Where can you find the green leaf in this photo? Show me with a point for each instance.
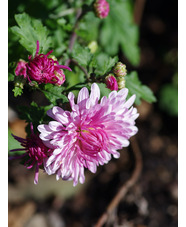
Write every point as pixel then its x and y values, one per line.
pixel 118 29
pixel 30 30
pixel 17 91
pixel 10 77
pixel 168 99
pixel 136 87
pixel 13 144
pixel 54 93
pixel 81 54
pixel 105 63
pixel 84 30
pixel 34 113
pixel 104 91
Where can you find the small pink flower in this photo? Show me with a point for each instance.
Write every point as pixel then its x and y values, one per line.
pixel 44 69
pixel 21 69
pixel 35 152
pixel 101 8
pixel 90 134
pixel 111 82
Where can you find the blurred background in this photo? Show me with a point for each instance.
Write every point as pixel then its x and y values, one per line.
pixel 152 201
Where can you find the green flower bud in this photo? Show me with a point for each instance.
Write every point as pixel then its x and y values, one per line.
pixel 93 46
pixel 53 57
pixel 121 82
pixel 120 69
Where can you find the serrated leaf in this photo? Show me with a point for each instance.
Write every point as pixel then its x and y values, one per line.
pixel 54 93
pixel 81 54
pixel 119 30
pixel 105 63
pixel 17 91
pixel 30 30
pixel 136 87
pixel 34 113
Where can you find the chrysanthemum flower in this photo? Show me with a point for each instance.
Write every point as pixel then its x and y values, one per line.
pixel 101 8
pixel 111 82
pixel 35 154
pixel 88 135
pixel 43 69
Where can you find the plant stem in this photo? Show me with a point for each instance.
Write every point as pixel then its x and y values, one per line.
pixel 125 187
pixel 81 67
pixel 74 35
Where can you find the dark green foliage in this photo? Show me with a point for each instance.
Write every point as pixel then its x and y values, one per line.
pixel 30 30
pixel 136 87
pixel 54 93
pixel 118 30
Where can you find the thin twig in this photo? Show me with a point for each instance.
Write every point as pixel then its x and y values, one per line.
pixel 138 10
pixel 74 35
pixel 125 187
pixel 81 67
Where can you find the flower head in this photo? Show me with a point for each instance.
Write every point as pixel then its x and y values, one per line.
pixel 42 69
pixel 101 8
pixel 88 135
pixel 111 82
pixel 35 152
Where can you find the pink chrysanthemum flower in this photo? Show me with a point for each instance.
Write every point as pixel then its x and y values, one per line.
pixel 36 152
pixel 88 135
pixel 101 8
pixel 111 82
pixel 43 69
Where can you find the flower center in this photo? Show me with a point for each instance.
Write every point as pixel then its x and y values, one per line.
pixel 92 139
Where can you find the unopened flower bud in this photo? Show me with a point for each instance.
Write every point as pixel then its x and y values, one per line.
pixel 59 77
pixel 101 8
pixel 111 82
pixel 19 82
pixel 120 69
pixel 21 69
pixel 93 46
pixel 53 57
pixel 121 82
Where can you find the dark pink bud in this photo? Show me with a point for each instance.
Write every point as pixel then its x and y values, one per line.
pixel 21 69
pixel 111 82
pixel 101 8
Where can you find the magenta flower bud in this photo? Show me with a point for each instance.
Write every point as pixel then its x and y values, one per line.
pixel 111 82
pixel 120 69
pixel 101 8
pixel 21 68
